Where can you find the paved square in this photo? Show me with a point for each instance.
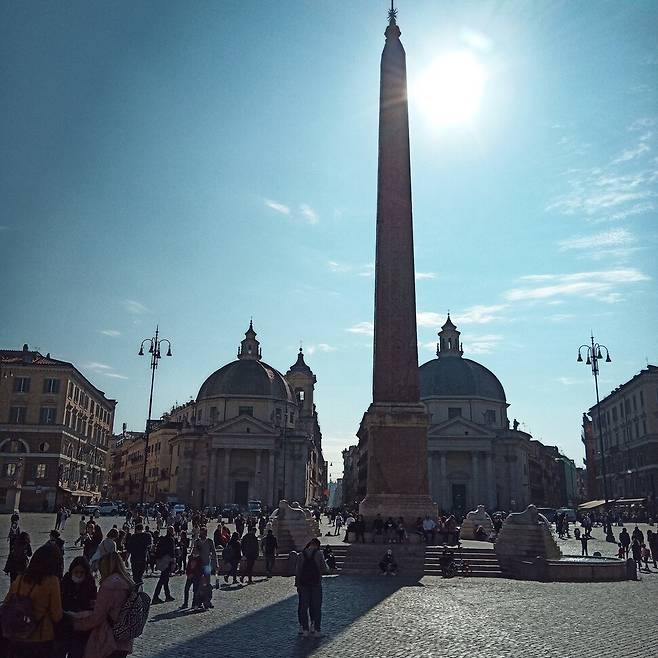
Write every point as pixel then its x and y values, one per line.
pixel 392 617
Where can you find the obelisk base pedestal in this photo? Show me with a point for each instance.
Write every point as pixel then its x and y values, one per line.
pixel 396 439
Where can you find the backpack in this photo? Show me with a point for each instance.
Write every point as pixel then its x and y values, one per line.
pixel 310 574
pixel 17 616
pixel 132 616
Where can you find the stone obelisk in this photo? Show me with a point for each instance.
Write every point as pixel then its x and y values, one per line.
pixel 394 429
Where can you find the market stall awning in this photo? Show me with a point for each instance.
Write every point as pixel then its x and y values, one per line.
pixel 592 504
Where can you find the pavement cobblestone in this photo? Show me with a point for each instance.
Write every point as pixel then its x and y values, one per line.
pixel 386 616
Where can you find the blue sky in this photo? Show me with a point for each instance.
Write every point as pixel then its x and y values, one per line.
pixel 195 164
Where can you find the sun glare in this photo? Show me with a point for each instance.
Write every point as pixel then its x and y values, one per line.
pixel 450 90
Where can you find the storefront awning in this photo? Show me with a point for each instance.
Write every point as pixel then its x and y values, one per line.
pixel 592 504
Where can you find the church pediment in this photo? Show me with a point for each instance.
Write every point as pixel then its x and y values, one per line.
pixel 243 425
pixel 460 427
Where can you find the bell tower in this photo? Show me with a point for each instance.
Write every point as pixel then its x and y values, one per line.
pixel 250 347
pixel 449 344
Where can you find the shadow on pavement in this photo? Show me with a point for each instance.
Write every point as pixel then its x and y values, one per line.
pixel 272 631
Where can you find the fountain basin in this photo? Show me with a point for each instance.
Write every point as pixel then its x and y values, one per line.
pixel 574 569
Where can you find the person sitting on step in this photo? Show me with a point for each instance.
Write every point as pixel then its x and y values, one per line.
pixel 388 566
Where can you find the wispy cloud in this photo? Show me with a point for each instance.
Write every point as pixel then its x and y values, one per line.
pixel 483 344
pixel 568 381
pixel 277 207
pixel 634 151
pixel 96 366
pixel 478 314
pixel 365 328
pixel 617 237
pixel 103 369
pixel 337 267
pixel 134 307
pixel 309 214
pixel 422 276
pixel 110 332
pixel 624 186
pixel 602 285
pixel 320 347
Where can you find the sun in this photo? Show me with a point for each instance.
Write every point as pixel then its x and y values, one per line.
pixel 450 90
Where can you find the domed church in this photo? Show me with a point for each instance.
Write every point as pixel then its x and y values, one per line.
pixel 251 434
pixel 474 456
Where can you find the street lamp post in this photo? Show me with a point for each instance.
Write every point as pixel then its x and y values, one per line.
pixel 594 355
pixel 154 351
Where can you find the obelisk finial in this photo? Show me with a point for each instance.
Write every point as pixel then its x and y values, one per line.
pixel 392 14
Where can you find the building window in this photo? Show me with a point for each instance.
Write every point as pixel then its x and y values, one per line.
pixel 48 415
pixel 490 417
pixel 454 412
pixel 644 426
pixel 22 385
pixel 614 414
pixel 213 413
pixel 292 416
pixel 641 398
pixel 17 415
pixel 627 407
pixel 40 471
pixel 245 411
pixel 300 395
pixel 634 403
pixel 10 470
pixel 51 385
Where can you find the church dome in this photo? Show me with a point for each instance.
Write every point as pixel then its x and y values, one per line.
pixel 452 375
pixel 246 378
pixel 459 377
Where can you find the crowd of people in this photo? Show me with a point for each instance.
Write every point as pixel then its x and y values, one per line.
pixel 443 529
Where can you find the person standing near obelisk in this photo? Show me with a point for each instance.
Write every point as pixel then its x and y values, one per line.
pixel 394 428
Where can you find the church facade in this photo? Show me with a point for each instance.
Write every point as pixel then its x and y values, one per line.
pixel 474 456
pixel 251 434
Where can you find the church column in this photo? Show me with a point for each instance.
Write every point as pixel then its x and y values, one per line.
pixel 444 503
pixel 258 479
pixel 491 482
pixel 270 497
pixel 228 498
pixel 211 479
pixel 475 488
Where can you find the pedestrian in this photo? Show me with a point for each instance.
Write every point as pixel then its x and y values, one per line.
pixel 183 549
pixel 58 543
pixel 19 556
pixel 377 528
pixel 164 553
pixel 14 529
pixel 360 529
pixel 329 557
pixel 349 527
pixel 82 531
pixel 388 565
pixel 625 540
pixel 583 542
pixel 652 541
pixel 250 551
pixel 137 548
pixel 192 575
pixel 58 517
pixel 308 581
pixel 402 533
pixel 636 552
pixel 115 587
pixel 78 594
pixel 645 552
pixel 39 583
pixel 389 529
pixel 232 554
pixel 339 523
pixel 208 559
pixel 270 549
